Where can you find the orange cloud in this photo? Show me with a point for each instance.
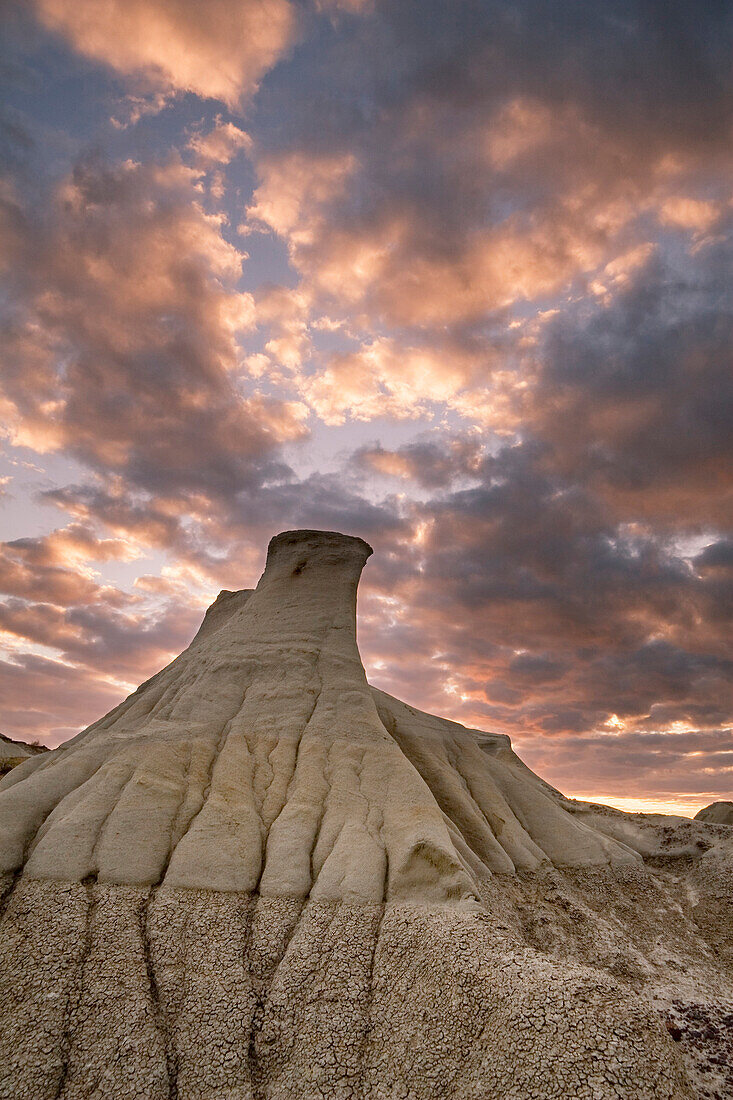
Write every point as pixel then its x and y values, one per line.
pixel 388 268
pixel 390 463
pixel 616 273
pixel 521 126
pixel 438 218
pixel 294 189
pixel 55 568
pixel 389 377
pixel 500 266
pixel 688 213
pixel 385 378
pixel 73 546
pixel 220 49
pixel 221 144
pixel 287 313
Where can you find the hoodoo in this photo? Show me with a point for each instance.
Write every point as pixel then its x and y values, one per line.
pixel 259 878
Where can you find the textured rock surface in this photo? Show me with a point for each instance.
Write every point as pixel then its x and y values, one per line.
pixel 259 877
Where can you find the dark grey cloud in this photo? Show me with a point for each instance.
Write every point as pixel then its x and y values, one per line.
pixel 717 555
pixel 543 616
pixel 637 396
pixel 685 766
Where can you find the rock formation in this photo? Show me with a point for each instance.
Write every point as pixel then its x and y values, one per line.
pixel 260 878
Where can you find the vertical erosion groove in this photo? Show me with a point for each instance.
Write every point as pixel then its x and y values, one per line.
pixel 216 749
pixel 175 821
pixel 7 885
pixel 159 1015
pixel 76 995
pixel 306 724
pixel 369 1006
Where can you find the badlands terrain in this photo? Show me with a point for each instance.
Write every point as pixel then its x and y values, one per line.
pixel 258 877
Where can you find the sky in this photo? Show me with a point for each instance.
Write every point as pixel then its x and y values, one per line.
pixel 453 277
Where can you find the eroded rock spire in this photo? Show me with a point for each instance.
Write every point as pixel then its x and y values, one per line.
pixel 259 877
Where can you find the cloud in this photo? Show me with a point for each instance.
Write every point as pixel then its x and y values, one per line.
pixel 539 614
pixel 689 213
pixel 55 567
pixel 405 379
pixel 478 183
pixel 48 699
pixel 219 50
pixel 71 546
pixel 383 379
pixel 122 334
pixel 427 201
pixel 715 556
pixel 293 189
pixel 646 384
pixel 434 463
pixel 690 769
pixel 220 144
pixel 101 654
pixel 103 630
pixel 132 517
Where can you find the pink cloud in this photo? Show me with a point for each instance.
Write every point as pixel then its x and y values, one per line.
pixel 384 377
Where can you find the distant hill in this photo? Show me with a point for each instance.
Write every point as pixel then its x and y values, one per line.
pixel 720 813
pixel 15 752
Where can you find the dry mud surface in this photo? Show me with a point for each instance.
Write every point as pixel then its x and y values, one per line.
pixel 260 879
